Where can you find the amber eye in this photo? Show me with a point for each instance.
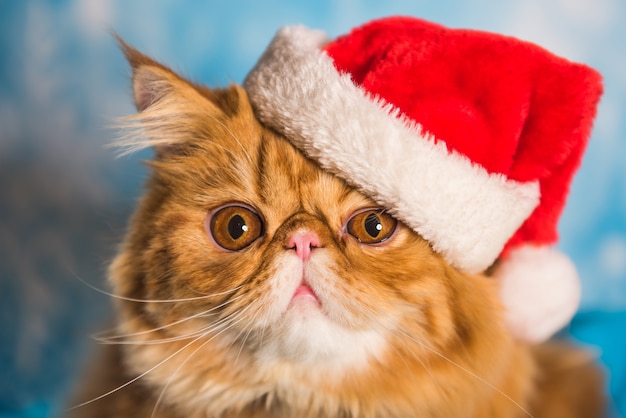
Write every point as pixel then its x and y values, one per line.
pixel 234 227
pixel 371 226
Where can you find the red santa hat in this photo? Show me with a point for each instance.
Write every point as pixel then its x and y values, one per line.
pixel 470 138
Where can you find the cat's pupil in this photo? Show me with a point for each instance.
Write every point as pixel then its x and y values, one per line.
pixel 373 226
pixel 237 226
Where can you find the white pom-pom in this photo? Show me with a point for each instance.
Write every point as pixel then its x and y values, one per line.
pixel 540 290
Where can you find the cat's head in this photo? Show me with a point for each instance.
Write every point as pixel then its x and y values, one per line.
pixel 251 268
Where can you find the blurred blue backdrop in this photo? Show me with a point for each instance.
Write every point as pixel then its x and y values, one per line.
pixel 64 198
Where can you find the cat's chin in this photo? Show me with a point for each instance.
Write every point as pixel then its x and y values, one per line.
pixel 307 337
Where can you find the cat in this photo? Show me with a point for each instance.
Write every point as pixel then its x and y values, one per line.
pixel 252 283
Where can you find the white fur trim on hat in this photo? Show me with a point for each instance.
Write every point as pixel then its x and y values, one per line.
pixel 466 213
pixel 540 291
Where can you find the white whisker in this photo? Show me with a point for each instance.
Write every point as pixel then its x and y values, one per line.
pixel 159 364
pixel 195 298
pixel 245 338
pixel 469 372
pixel 159 340
pixel 204 330
pixel 208 312
pixel 133 380
pixel 424 366
pixel 240 317
pixel 218 325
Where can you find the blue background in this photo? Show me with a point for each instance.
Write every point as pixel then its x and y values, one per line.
pixel 65 198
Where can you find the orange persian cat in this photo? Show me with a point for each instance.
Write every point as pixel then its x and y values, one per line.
pixel 253 284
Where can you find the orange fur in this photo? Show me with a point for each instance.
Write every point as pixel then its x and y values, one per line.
pixel 399 332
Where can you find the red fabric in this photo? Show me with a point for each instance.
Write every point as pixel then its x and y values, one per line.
pixel 508 105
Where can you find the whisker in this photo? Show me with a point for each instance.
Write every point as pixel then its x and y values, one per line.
pixel 469 372
pixel 195 298
pixel 263 327
pixel 208 312
pixel 240 316
pixel 245 338
pixel 203 330
pixel 159 364
pixel 133 380
pixel 158 341
pixel 424 366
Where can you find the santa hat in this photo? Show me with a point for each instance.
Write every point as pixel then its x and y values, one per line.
pixel 470 138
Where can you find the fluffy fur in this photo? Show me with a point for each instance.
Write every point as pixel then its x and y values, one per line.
pixel 394 330
pixel 538 276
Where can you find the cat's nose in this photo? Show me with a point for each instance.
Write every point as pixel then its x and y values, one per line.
pixel 303 242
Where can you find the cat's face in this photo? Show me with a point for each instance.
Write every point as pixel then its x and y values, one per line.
pixel 309 269
pixel 263 273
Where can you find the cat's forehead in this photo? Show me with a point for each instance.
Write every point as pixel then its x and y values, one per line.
pixel 291 182
pixel 234 158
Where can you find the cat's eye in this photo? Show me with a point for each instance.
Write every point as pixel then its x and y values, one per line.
pixel 371 226
pixel 235 227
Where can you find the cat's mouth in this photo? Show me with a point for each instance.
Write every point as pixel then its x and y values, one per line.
pixel 304 294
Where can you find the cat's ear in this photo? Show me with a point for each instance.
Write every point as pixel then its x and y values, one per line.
pixel 165 101
pixel 152 81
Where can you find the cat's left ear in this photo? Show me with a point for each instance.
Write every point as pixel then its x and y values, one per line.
pixel 165 102
pixel 153 82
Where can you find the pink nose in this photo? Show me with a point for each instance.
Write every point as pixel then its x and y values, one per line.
pixel 303 243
